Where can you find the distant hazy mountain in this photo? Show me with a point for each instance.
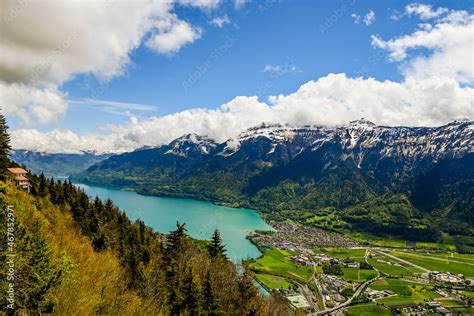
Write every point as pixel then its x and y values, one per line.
pixel 373 178
pixel 56 165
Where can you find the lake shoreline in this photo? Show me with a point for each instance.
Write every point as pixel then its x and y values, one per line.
pixel 200 216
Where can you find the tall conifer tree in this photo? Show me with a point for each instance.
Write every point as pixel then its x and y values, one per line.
pixel 4 145
pixel 216 248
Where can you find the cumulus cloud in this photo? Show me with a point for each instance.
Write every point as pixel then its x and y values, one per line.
pixel 172 35
pixel 220 21
pixel 369 18
pixel 424 11
pixel 356 18
pixel 40 105
pixel 45 43
pixel 331 100
pixel 449 45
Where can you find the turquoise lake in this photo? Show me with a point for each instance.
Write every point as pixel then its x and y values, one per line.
pixel 201 218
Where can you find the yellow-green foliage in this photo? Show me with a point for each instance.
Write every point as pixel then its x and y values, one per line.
pixel 91 281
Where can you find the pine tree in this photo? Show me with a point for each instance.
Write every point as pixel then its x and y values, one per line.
pixel 175 239
pixel 4 145
pixel 43 186
pixel 216 248
pixel 191 294
pixel 210 305
pixel 39 275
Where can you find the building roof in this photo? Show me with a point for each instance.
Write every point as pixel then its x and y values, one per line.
pixel 17 170
pixel 22 178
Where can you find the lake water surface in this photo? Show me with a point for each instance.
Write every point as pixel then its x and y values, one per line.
pixel 201 218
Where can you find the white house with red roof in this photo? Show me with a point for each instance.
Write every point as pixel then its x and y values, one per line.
pixel 19 175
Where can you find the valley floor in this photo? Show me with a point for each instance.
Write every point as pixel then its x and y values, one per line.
pixel 322 272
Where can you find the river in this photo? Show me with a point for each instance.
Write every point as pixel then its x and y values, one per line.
pixel 201 218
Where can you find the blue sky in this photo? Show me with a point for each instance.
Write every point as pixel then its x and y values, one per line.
pixel 263 48
pixel 229 61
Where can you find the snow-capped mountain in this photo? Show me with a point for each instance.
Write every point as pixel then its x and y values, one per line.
pixel 361 139
pixel 381 151
pixel 191 145
pixel 282 168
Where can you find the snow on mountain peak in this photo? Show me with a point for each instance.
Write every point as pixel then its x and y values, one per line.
pixel 191 144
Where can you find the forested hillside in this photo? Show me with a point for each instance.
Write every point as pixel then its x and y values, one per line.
pixel 74 255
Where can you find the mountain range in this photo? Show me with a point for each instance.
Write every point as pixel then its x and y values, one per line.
pixel 405 181
pixel 56 165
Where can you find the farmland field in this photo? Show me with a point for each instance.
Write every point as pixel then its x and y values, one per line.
pixel 447 256
pixel 392 269
pixel 278 262
pixel 405 290
pixel 449 303
pixel 402 244
pixel 368 309
pixel 273 282
pixel 343 253
pixel 463 310
pixel 353 274
pixel 400 287
pixel 398 300
pixel 436 264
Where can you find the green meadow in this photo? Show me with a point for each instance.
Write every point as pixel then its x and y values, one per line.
pixel 392 270
pixel 273 282
pixel 407 292
pixel 437 264
pixel 368 309
pixel 358 275
pixel 278 262
pixel 343 253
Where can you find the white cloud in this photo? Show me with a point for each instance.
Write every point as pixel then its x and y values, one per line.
pixel 356 18
pixel 46 43
pixel 369 18
pixel 172 35
pixel 32 105
pixel 449 43
pixel 424 11
pixel 201 4
pixel 113 107
pixel 280 70
pixel 220 21
pixel 331 100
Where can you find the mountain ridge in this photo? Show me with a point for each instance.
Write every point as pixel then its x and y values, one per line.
pixel 280 169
